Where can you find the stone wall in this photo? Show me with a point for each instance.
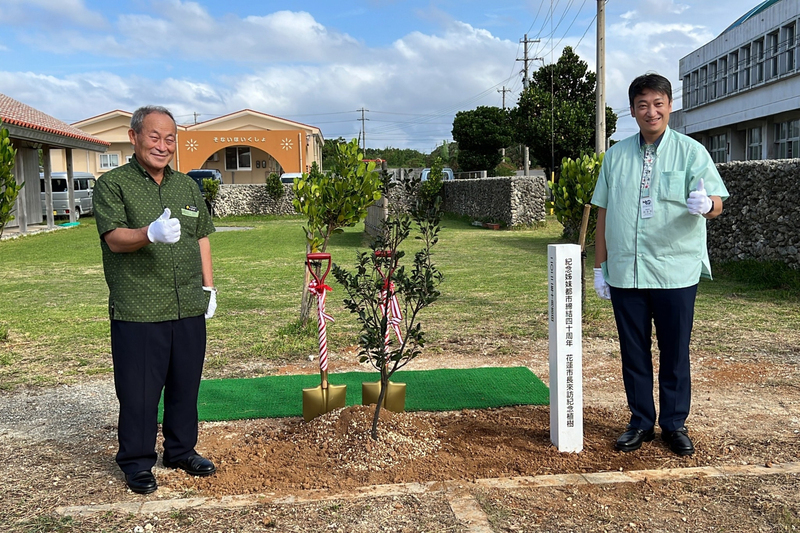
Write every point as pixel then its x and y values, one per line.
pixel 761 219
pixel 513 201
pixel 252 200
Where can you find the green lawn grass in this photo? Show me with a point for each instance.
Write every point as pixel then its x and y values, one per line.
pixel 54 322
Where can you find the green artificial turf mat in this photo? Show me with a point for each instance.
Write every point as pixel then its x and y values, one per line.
pixel 426 390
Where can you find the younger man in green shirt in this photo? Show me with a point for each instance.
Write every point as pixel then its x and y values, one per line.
pixel 655 192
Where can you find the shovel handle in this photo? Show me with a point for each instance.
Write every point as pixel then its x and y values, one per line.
pixel 318 256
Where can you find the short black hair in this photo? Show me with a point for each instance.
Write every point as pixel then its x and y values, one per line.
pixel 137 119
pixel 651 80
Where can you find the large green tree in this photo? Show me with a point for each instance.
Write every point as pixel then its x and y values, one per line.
pixel 329 152
pixel 480 135
pixel 555 115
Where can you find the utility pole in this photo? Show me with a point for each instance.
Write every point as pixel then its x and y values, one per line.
pixel 600 121
pixel 363 129
pixel 196 114
pixel 504 91
pixel 525 82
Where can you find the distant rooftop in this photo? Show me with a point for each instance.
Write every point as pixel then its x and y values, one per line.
pixel 25 116
pixel 752 13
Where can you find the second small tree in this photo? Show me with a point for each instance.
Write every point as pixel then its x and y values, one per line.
pixel 380 274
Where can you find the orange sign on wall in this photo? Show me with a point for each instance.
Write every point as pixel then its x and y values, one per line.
pixel 286 146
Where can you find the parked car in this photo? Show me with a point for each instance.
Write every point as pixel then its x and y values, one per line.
pixel 447 174
pixel 83 183
pixel 288 177
pixel 200 174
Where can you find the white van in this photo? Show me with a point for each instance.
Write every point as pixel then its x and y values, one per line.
pixel 447 174
pixel 84 188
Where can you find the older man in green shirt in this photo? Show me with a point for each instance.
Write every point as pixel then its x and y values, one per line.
pixel 655 192
pixel 154 228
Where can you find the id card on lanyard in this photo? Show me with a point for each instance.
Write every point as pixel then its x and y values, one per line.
pixel 645 199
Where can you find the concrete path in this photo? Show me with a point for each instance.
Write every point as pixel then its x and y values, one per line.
pixel 458 493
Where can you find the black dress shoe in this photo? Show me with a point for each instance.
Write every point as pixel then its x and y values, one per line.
pixel 196 465
pixel 678 441
pixel 142 482
pixel 633 439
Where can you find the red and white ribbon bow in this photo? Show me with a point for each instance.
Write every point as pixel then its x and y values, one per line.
pixel 320 289
pixel 396 317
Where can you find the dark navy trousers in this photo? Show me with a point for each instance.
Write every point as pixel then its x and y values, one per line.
pixel 150 357
pixel 672 313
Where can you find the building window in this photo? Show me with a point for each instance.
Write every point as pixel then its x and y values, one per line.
pixel 722 84
pixel 237 158
pixel 687 91
pixel 745 55
pixel 109 161
pixel 788 42
pixel 787 139
pixel 718 148
pixel 695 88
pixel 703 85
pixel 712 81
pixel 772 55
pixel 754 152
pixel 758 61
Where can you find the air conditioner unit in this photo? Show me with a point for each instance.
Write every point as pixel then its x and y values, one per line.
pixel 214 157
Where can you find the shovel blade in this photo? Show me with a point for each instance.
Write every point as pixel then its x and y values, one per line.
pixel 318 400
pixel 395 399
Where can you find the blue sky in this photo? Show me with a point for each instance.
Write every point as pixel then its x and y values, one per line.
pixel 413 64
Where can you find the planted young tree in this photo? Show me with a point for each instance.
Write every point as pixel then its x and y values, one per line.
pixel 573 190
pixel 380 278
pixel 9 190
pixel 334 200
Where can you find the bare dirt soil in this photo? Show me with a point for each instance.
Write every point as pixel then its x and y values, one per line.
pixel 746 411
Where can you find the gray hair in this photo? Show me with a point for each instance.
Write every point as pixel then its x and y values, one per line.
pixel 137 120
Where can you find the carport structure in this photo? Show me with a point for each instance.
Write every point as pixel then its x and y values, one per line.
pixel 31 130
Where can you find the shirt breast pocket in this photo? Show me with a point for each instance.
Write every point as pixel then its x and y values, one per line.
pixel 671 186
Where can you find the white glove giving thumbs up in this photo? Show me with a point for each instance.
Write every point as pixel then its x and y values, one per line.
pixel 164 229
pixel 699 203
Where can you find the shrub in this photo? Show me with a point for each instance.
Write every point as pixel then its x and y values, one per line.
pixel 431 188
pixel 274 185
pixel 573 190
pixel 210 192
pixel 9 190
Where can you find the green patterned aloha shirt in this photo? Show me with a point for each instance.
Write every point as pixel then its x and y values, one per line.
pixel 160 281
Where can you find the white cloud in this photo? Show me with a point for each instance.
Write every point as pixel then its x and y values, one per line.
pixel 50 13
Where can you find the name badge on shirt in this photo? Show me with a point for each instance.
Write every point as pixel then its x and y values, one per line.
pixel 646 207
pixel 190 211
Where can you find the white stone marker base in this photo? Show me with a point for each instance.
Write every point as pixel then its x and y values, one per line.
pixel 566 354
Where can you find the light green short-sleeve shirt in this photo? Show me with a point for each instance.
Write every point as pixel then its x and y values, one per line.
pixel 667 250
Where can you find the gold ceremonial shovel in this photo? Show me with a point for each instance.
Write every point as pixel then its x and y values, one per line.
pixel 325 398
pixel 395 398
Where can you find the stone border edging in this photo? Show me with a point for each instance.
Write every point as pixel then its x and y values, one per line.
pixel 461 502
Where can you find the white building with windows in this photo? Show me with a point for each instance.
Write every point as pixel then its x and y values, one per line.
pixel 741 91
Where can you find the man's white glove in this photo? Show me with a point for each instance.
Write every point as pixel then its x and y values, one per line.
pixel 699 203
pixel 212 302
pixel 600 286
pixel 164 229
